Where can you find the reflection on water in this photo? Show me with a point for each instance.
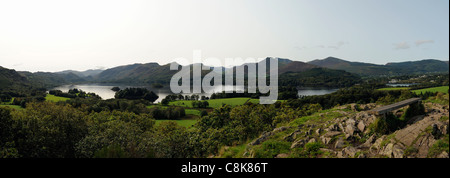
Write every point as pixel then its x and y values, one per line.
pixel 315 91
pixel 400 84
pixel 104 90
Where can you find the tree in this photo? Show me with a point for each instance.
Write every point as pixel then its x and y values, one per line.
pixel 116 89
pixel 165 102
pixel 136 93
pixel 5 126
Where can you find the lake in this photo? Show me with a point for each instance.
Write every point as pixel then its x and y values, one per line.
pixel 104 90
pixel 400 84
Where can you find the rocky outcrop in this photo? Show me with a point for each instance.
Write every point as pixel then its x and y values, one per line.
pixel 349 136
pixel 265 136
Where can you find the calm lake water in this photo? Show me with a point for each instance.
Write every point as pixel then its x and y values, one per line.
pixel 400 84
pixel 104 90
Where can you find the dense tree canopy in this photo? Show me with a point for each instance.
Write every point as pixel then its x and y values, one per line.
pixel 136 93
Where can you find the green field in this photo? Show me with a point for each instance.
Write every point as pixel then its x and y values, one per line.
pixel 394 88
pixel 184 123
pixel 443 89
pixel 12 107
pixel 215 103
pixel 192 112
pixel 54 98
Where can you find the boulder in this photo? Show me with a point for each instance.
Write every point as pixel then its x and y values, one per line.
pixel 339 144
pixel 361 126
pixel 341 154
pixel 368 142
pixel 298 144
pixel 444 129
pixel 350 129
pixel 264 136
pixel 388 150
pixel 318 131
pixel 350 151
pixel 350 121
pixel 362 155
pixel 293 136
pixel 332 134
pixel 325 140
pixel 282 155
pixel 377 143
pixel 398 151
pixel 443 155
pixel 333 127
pixel 280 129
pixel 341 127
pixel 312 140
pixel 332 152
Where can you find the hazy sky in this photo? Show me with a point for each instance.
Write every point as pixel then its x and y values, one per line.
pixel 55 35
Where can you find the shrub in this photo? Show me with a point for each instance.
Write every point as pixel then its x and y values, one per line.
pixel 313 149
pixel 270 149
pixel 386 125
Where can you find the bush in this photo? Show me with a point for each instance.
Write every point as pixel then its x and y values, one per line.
pixel 313 149
pixel 386 125
pixel 203 113
pixel 200 104
pixel 136 94
pixel 270 149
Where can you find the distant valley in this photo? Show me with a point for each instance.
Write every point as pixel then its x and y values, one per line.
pixel 328 72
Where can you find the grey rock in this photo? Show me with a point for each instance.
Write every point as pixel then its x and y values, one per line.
pixel 368 142
pixel 318 131
pixel 312 140
pixel 443 155
pixel 341 127
pixel 341 154
pixel 388 150
pixel 350 121
pixel 280 129
pixel 350 129
pixel 398 151
pixel 361 126
pixel 339 144
pixel 377 143
pixel 282 155
pixel 362 155
pixel 332 134
pixel 325 140
pixel 298 144
pixel 265 136
pixel 333 127
pixel 350 151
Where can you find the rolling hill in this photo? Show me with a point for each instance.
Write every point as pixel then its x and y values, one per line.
pixel 13 83
pixel 367 69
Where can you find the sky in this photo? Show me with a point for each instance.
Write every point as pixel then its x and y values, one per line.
pixel 56 35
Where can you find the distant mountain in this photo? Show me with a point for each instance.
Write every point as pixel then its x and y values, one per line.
pixel 137 73
pixel 296 66
pixel 13 83
pixel 87 73
pixel 154 73
pixel 423 66
pixel 48 79
pixel 22 82
pixel 319 77
pixel 9 77
pixel 367 69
